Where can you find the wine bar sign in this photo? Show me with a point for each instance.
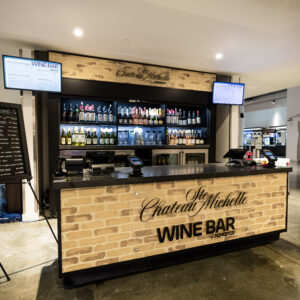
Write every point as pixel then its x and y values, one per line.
pixel 197 201
pixel 99 69
pixel 14 159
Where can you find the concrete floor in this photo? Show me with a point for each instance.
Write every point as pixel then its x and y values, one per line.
pixel 29 254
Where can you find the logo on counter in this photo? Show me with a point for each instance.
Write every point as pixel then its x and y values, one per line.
pixel 217 228
pixel 144 74
pixel 197 200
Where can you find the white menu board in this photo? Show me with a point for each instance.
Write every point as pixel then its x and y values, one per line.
pixel 33 75
pixel 228 93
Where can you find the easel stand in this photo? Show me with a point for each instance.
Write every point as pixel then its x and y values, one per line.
pixel 6 275
pixel 42 210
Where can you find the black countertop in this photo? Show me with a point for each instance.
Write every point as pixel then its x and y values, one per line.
pixel 162 173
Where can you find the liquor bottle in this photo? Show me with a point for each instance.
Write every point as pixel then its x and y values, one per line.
pixel 107 138
pixel 180 117
pixel 125 117
pixel 180 138
pixel 88 137
pixel 76 113
pixel 120 115
pixel 141 120
pixel 81 113
pixel 87 113
pixel 189 119
pixel 92 113
pixel 176 119
pixel 112 138
pixel 82 141
pixel 101 139
pixel 193 118
pixel 94 137
pixel 130 120
pixel 99 114
pixel 197 141
pixel 69 137
pixel 75 137
pixel 63 137
pixel 168 117
pixel 193 140
pixel 64 113
pixel 167 137
pixel 184 138
pixel 110 114
pixel 172 117
pixel 104 114
pixel 198 119
pixel 70 116
pixel 160 120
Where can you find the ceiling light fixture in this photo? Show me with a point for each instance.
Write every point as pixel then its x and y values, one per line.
pixel 78 32
pixel 219 56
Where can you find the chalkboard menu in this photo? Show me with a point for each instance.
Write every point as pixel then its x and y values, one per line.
pixel 14 159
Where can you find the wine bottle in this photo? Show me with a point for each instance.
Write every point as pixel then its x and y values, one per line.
pixel 88 137
pixel 189 119
pixel 106 139
pixel 110 114
pixel 198 119
pixel 104 114
pixel 64 113
pixel 82 141
pixel 70 116
pixel 94 137
pixel 112 138
pixel 92 113
pixel 168 117
pixel 99 114
pixel 193 118
pixel 101 140
pixel 63 137
pixel 81 113
pixel 75 137
pixel 69 137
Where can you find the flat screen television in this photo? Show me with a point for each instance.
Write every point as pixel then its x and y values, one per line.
pixel 30 74
pixel 228 93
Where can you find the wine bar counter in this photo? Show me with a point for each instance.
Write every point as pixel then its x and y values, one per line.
pixel 117 224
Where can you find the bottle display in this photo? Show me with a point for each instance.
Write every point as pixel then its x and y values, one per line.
pixel 140 115
pixel 118 123
pixel 189 137
pixel 182 118
pixel 85 112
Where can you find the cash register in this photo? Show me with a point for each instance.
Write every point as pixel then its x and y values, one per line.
pixel 100 162
pixel 236 158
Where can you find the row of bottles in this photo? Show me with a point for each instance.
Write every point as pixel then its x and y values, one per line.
pixel 140 116
pixel 88 137
pixel 179 117
pixel 87 113
pixel 184 137
pixel 140 137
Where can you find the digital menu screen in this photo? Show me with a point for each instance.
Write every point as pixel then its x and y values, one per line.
pixel 30 74
pixel 228 93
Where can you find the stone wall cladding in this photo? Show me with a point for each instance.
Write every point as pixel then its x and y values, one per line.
pixel 102 226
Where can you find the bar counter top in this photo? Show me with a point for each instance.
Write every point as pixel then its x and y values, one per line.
pixel 162 173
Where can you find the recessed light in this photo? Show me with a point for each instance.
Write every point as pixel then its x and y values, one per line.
pixel 78 32
pixel 219 56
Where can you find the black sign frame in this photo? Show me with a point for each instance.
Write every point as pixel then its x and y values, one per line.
pixel 27 171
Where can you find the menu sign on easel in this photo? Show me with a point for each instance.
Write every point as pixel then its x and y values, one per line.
pixel 14 159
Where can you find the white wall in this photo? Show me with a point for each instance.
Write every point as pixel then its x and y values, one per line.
pixel 10 96
pixel 30 209
pixel 293 117
pixel 261 112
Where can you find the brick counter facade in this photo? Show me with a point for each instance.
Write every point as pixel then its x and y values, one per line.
pixel 102 225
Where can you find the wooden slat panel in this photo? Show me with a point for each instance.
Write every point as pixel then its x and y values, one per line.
pixel 80 67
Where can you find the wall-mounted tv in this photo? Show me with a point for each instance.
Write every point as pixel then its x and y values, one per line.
pixel 228 93
pixel 30 74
